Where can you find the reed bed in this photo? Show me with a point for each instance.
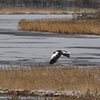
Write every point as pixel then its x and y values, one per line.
pixel 54 78
pixel 66 26
pixel 46 10
pixel 15 10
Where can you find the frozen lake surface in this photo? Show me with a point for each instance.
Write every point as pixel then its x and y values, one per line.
pixel 11 21
pixel 26 48
pixel 19 47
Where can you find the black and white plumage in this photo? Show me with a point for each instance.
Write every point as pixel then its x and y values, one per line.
pixel 56 55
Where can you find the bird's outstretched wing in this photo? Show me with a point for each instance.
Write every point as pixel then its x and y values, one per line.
pixel 67 54
pixel 54 57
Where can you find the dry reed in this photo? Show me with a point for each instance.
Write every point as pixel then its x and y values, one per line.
pixel 35 10
pixel 46 10
pixel 51 78
pixel 87 26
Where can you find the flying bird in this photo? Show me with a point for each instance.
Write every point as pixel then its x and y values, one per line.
pixel 56 55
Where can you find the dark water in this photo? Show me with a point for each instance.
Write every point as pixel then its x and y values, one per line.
pixel 26 48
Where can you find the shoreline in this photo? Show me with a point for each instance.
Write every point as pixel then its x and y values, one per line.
pixel 7 13
pixel 45 95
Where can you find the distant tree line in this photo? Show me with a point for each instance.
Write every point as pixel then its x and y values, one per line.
pixel 50 3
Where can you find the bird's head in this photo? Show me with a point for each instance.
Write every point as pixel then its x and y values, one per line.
pixel 57 51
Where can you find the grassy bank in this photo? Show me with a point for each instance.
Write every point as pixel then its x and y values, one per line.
pixel 51 78
pixel 45 10
pixel 87 26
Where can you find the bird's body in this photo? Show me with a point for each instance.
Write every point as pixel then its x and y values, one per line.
pixel 56 55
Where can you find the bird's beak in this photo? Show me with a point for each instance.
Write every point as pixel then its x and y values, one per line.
pixel 52 52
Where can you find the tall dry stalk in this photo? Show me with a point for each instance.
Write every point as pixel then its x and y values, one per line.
pixel 87 26
pixel 45 10
pixel 51 78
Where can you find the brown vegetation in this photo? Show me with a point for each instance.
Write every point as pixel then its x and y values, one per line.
pixel 33 10
pixel 46 10
pixel 51 78
pixel 86 26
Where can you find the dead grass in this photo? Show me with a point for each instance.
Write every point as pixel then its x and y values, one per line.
pixel 33 10
pixel 46 10
pixel 51 78
pixel 87 26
